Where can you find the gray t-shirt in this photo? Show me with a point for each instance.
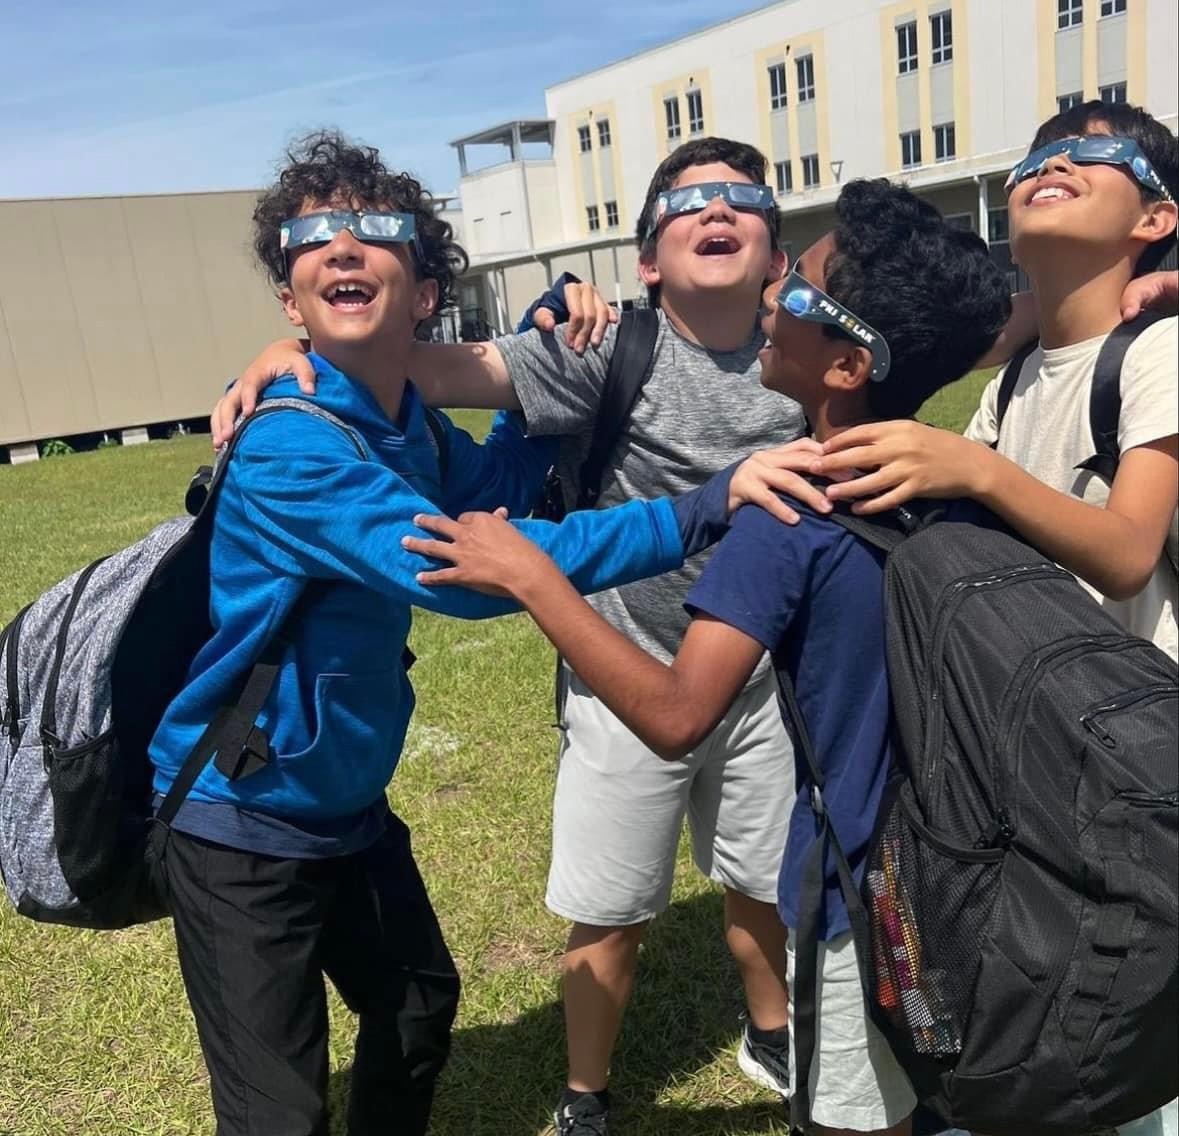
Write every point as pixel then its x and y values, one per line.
pixel 698 412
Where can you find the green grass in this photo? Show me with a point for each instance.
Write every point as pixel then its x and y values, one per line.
pixel 95 1033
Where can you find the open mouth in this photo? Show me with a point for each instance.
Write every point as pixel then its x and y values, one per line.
pixel 349 295
pixel 1050 193
pixel 717 246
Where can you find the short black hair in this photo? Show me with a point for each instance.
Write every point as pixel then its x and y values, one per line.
pixel 932 290
pixel 326 166
pixel 1159 145
pixel 742 157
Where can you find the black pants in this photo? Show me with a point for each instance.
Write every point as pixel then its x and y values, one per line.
pixel 255 936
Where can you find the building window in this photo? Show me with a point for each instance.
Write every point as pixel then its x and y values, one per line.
pixel 784 176
pixel 907 47
pixel 603 132
pixel 997 225
pixel 1067 102
pixel 1114 93
pixel 583 139
pixel 695 102
pixel 671 111
pixel 611 214
pixel 941 29
pixel 810 171
pixel 777 85
pixel 1069 14
pixel 591 218
pixel 910 149
pixel 1113 7
pixel 806 77
pixel 943 143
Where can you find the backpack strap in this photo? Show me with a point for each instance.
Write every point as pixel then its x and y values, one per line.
pixel 1105 395
pixel 1007 383
pixel 441 442
pixel 805 987
pixel 630 362
pixel 239 745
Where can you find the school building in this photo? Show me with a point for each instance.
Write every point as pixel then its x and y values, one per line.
pixel 154 302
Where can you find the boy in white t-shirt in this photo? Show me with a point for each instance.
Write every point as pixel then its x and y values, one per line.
pixel 1092 206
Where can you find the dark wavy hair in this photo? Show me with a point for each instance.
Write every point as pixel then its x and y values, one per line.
pixel 1159 145
pixel 930 289
pixel 326 166
pixel 701 152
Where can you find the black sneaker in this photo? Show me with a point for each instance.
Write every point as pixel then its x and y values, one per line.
pixel 584 1116
pixel 765 1065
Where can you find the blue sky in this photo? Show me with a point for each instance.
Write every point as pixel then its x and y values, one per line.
pixel 144 96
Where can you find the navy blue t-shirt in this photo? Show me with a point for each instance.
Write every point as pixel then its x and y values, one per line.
pixel 813 596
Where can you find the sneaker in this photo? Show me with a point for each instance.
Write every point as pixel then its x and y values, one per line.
pixel 584 1117
pixel 766 1065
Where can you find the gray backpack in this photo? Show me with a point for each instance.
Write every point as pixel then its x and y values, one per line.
pixel 86 673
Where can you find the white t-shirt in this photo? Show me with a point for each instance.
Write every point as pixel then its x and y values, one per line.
pixel 1046 432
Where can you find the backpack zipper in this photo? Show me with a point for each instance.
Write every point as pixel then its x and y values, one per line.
pixel 1015 708
pixel 11 645
pixel 950 600
pixel 1140 799
pixel 1123 702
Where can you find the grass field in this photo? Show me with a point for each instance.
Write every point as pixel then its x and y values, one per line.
pixel 95 1033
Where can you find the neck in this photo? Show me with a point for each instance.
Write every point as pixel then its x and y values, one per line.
pixel 834 415
pixel 1078 296
pixel 383 373
pixel 714 322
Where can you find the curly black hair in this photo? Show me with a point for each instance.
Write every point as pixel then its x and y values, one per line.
pixel 930 289
pixel 325 166
pixel 700 152
pixel 1157 142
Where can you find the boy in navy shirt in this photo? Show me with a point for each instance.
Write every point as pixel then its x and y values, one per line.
pixel 881 312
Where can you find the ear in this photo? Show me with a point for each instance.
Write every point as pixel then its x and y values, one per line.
pixel 425 300
pixel 778 265
pixel 1157 222
pixel 848 367
pixel 648 268
pixel 290 306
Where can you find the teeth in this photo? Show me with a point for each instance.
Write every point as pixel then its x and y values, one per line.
pixel 349 290
pixel 1051 191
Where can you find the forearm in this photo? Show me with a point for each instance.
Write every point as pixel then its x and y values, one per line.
pixel 644 693
pixel 462 375
pixel 1106 550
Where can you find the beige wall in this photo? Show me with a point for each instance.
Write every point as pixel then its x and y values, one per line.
pixel 123 311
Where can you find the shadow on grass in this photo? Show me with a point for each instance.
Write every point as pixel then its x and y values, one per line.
pixel 503 1079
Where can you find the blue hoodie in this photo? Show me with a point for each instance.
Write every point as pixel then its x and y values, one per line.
pixel 299 504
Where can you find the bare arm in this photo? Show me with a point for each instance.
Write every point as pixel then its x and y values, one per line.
pixel 1115 548
pixel 462 374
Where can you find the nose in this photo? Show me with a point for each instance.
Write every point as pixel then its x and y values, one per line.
pixel 344 248
pixel 717 209
pixel 1056 164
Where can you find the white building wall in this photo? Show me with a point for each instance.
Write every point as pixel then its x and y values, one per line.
pixel 1004 65
pixel 1162 91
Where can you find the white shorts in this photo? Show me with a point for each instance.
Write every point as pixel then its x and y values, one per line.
pixel 619 808
pixel 855 1080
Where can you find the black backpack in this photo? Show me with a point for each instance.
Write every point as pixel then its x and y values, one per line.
pixel 1017 924
pixel 630 364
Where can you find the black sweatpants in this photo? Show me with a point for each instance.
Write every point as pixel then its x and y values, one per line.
pixel 255 936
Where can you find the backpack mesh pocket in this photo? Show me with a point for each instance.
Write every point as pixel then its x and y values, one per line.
pixel 928 904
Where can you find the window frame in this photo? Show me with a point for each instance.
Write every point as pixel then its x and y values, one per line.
pixel 1111 8
pixel 604 139
pixel 592 218
pixel 942 23
pixel 911 60
pixel 941 132
pixel 611 208
pixel 673 124
pixel 585 140
pixel 1067 102
pixel 694 97
pixel 777 97
pixel 806 84
pixel 1069 14
pixel 1116 89
pixel 811 162
pixel 784 184
pixel 911 139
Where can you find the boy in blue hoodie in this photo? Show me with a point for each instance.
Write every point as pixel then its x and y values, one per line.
pixel 295 867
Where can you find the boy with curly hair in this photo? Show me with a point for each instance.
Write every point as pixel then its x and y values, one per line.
pixel 294 868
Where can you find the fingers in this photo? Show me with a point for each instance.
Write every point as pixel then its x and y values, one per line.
pixel 544 320
pixel 436 523
pixel 856 436
pixel 576 333
pixel 440 576
pixel 602 314
pixel 899 496
pixel 862 457
pixel 800 489
pixel 776 507
pixel 869 485
pixel 224 416
pixel 434 549
pixel 304 374
pixel 502 513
